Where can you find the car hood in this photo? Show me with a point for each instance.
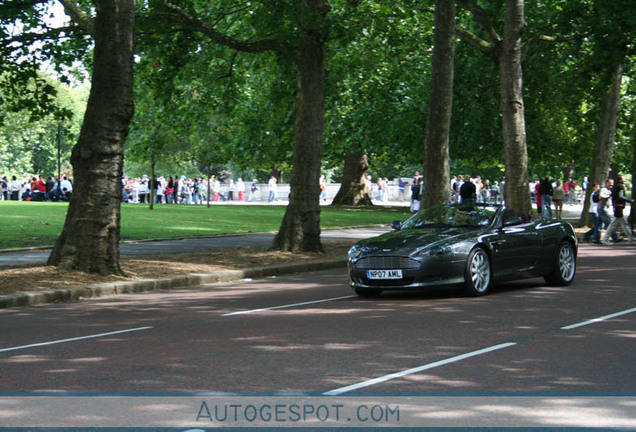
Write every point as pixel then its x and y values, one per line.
pixel 408 242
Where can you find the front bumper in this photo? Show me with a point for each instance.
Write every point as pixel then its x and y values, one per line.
pixel 431 272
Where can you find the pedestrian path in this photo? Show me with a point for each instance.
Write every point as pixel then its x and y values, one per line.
pixel 189 245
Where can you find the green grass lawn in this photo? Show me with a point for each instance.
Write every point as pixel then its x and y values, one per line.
pixel 30 224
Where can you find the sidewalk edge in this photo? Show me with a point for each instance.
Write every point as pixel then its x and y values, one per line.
pixel 59 295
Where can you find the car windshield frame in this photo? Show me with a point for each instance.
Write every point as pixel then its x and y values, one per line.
pixel 453 216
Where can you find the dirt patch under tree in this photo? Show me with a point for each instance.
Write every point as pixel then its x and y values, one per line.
pixel 29 278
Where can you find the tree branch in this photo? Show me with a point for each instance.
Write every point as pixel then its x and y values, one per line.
pixel 197 25
pixel 481 18
pixel 474 40
pixel 78 15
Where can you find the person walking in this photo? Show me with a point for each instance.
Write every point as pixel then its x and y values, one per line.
pixel 323 188
pixel 240 188
pixel 4 188
pixel 401 188
pixel 385 191
pixel 216 189
pixel 619 201
pixel 271 184
pixel 604 219
pixel 15 189
pixel 254 194
pixel 546 190
pixel 416 190
pixel 594 200
pixel 230 190
pixel 468 191
pixel 558 198
pixel 380 195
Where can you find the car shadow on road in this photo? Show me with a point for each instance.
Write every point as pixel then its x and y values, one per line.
pixel 439 293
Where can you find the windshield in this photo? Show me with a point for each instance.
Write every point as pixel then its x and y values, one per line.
pixel 468 216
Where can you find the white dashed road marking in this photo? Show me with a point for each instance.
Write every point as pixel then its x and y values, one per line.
pixel 600 319
pixel 286 306
pixel 418 369
pixel 73 339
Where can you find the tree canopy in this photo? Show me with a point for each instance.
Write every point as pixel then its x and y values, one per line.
pixel 299 86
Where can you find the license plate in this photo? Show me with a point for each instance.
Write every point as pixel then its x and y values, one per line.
pixel 384 274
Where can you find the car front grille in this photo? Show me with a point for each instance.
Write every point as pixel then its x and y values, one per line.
pixel 386 263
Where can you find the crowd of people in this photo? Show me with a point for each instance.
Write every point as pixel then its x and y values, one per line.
pixel 462 189
pixel 600 199
pixel 185 190
pixel 36 189
pixel 546 194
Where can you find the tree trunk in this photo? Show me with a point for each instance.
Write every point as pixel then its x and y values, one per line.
pixel 354 190
pixel 568 172
pixel 277 173
pixel 436 156
pixel 300 229
pixel 90 239
pixel 602 156
pixel 517 194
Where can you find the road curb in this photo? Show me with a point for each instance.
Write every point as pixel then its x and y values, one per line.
pixel 33 298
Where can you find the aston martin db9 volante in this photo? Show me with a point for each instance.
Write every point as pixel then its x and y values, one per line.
pixel 471 246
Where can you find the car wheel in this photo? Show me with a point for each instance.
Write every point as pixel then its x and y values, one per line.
pixel 368 292
pixel 478 274
pixel 564 266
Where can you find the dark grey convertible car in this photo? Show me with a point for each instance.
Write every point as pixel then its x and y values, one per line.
pixel 464 245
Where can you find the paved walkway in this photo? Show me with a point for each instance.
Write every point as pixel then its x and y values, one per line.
pixel 188 245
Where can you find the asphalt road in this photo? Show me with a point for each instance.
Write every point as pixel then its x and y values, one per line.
pixel 309 333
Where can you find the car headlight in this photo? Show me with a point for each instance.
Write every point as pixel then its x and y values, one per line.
pixel 354 254
pixel 436 250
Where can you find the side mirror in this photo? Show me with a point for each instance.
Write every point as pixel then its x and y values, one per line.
pixel 396 225
pixel 513 220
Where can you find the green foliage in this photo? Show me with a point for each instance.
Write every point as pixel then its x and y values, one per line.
pixel 626 129
pixel 199 102
pixel 29 145
pixel 476 143
pixel 28 39
pixel 378 68
pixel 209 104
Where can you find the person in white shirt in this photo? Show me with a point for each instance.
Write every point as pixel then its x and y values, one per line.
pixel 594 199
pixel 604 218
pixel 240 188
pixel 15 188
pixel 216 188
pixel 272 189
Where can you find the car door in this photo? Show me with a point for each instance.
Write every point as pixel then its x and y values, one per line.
pixel 517 248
